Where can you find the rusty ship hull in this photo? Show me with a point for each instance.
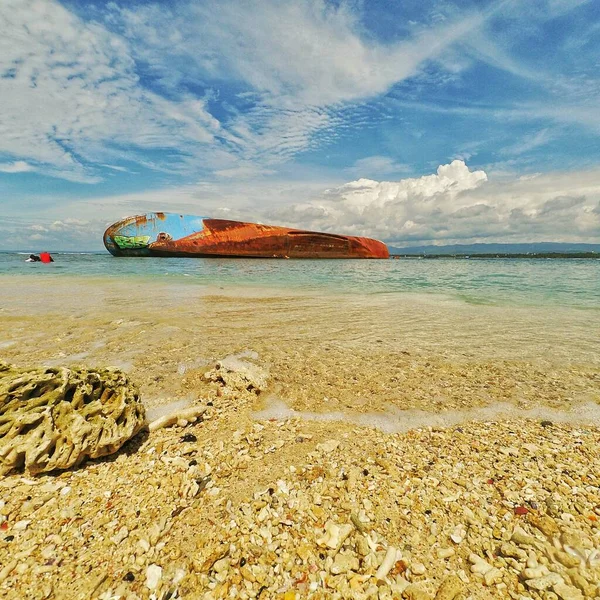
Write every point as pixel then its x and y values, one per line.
pixel 169 234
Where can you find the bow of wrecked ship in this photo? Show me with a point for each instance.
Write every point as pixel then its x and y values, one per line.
pixel 169 234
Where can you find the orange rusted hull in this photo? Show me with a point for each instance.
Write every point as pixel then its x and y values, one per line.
pixel 164 234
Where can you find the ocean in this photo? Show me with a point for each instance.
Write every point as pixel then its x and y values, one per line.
pixel 573 283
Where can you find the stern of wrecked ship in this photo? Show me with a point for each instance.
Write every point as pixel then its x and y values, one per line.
pixel 134 236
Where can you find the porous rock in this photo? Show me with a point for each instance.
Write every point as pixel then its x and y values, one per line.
pixel 55 418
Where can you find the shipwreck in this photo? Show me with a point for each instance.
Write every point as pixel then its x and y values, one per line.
pixel 171 234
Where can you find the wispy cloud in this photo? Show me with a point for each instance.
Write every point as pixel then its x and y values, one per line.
pixel 18 166
pixel 71 96
pixel 528 143
pixel 373 166
pixel 310 51
pixel 80 93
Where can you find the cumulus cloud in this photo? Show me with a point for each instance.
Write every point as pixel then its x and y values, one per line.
pixel 455 205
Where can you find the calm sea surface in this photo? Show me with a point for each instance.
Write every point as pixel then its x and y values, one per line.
pixel 504 282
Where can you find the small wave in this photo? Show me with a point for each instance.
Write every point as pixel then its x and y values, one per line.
pixel 401 421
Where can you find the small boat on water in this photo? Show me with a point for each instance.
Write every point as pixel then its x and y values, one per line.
pixel 171 234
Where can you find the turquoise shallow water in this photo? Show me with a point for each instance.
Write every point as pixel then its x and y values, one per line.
pixel 517 282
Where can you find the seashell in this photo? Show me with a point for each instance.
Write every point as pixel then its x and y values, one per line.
pixel 445 552
pixel 545 524
pixel 459 533
pixel 532 561
pixel 343 563
pixel 521 537
pixel 5 571
pixel 221 565
pixel 593 560
pixel 362 546
pixel 335 535
pixel 479 565
pixel 535 572
pixel 567 592
pixel 186 415
pixel 120 535
pixel 507 549
pixel 567 559
pixel 328 446
pixel 247 574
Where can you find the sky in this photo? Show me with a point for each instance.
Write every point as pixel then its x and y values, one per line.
pixel 411 121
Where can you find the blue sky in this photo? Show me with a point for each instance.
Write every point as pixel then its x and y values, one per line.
pixel 410 121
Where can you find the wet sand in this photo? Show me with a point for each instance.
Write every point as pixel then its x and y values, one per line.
pixel 323 352
pixel 359 373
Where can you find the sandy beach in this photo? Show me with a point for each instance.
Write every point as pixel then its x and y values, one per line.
pixel 389 447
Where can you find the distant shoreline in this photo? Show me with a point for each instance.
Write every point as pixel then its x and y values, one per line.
pixel 559 255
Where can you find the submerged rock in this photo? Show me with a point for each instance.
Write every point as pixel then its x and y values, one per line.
pixel 239 374
pixel 55 418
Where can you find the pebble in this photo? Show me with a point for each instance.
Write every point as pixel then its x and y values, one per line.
pixel 451 587
pixel 153 576
pixel 343 563
pixel 544 582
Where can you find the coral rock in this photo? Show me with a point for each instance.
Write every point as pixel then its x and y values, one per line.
pixel 55 418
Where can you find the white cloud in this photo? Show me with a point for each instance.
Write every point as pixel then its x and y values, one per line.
pixel 18 166
pixel 528 142
pixel 248 171
pixel 453 205
pixel 308 50
pixel 457 205
pixel 116 168
pixel 71 96
pixel 304 64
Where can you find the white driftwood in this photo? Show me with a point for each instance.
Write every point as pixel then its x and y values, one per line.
pixel 387 564
pixel 186 415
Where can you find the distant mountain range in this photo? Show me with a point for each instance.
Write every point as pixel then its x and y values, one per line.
pixel 534 248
